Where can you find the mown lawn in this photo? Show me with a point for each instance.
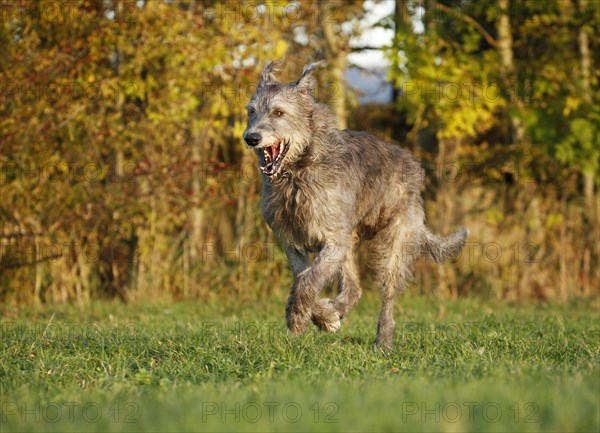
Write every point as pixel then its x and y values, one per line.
pixel 458 366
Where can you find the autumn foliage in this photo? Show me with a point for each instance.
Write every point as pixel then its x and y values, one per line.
pixel 123 173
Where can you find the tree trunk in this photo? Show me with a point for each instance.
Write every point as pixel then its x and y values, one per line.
pixel 430 16
pixel 585 65
pixel 586 94
pixel 447 190
pixel 403 25
pixel 402 18
pixel 505 49
pixel 507 68
pixel 336 55
pixel 505 40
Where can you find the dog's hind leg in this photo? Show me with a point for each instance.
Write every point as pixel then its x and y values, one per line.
pixel 395 250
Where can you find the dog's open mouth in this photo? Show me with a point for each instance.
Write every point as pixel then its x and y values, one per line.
pixel 274 158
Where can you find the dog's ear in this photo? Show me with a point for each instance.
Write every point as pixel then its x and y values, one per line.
pixel 307 82
pixel 267 76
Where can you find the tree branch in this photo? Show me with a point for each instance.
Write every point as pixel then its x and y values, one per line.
pixel 364 48
pixel 466 18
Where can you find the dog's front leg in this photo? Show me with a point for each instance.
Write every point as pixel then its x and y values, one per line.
pixel 296 311
pixel 297 259
pixel 307 285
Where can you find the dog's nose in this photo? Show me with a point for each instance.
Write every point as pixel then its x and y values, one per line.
pixel 252 139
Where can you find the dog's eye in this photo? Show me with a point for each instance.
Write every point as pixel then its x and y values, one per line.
pixel 277 113
pixel 251 111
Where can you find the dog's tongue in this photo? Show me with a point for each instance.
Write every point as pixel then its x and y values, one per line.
pixel 274 151
pixel 272 154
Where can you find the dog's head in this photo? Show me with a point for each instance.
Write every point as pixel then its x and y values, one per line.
pixel 279 119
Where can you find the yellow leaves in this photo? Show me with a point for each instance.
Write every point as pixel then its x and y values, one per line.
pixel 494 215
pixel 238 129
pixel 571 104
pixel 554 219
pixel 465 121
pixel 280 48
pixel 220 109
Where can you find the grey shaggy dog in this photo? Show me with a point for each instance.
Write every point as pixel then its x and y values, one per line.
pixel 326 190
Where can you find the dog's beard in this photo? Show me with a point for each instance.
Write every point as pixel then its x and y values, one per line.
pixel 273 158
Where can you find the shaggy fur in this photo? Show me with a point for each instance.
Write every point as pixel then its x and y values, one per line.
pixel 326 190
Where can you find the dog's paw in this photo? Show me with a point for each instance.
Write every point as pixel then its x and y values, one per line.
pixel 326 316
pixel 341 308
pixel 297 316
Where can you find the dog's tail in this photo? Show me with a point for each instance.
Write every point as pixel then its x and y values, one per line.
pixel 439 249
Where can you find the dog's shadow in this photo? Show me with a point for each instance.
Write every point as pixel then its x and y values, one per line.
pixel 355 340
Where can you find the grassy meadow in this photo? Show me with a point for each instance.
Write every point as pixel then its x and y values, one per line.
pixel 130 216
pixel 467 365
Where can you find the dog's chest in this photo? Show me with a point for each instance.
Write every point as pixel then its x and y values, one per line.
pixel 297 214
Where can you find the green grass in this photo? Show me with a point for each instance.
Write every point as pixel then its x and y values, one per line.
pixel 457 366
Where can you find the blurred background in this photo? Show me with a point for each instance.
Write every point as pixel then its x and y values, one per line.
pixel 124 175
